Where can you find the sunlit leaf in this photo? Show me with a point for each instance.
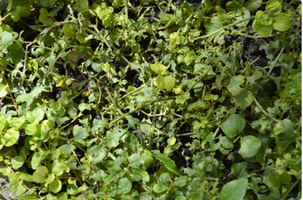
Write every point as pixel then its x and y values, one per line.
pixel 11 136
pixel 249 146
pixel 40 175
pixel 55 186
pixel 16 187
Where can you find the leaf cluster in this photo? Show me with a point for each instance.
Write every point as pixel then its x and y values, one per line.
pixel 124 99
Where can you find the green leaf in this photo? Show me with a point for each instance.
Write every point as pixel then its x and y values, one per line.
pixel 158 68
pixel 55 186
pixel 244 99
pixel 45 17
pixel 67 149
pixel 114 137
pixel 234 84
pixel 135 160
pixel 213 25
pixel 16 187
pixel 3 90
pixel 171 141
pixel 282 23
pixel 169 83
pixel 274 7
pixel 160 82
pixel 276 180
pixel 239 170
pixel 235 7
pixel 11 137
pixel 36 160
pixel 184 96
pixel 284 126
pixel 254 77
pixel 81 5
pixel 226 143
pixel 234 190
pixel 17 162
pixel 143 174
pixel 194 196
pixel 58 167
pixel 249 146
pixel 124 185
pixel 69 30
pixel 253 5
pixel 147 158
pixel 84 106
pixel 233 125
pixel 6 39
pixel 16 53
pixel 168 163
pixel 263 18
pixel 162 183
pixel 159 188
pixel 41 174
pixel 50 178
pixel 98 153
pixel 263 31
pixel 31 129
pixel 38 113
pixel 80 133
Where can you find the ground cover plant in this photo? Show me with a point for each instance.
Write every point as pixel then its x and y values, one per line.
pixel 131 99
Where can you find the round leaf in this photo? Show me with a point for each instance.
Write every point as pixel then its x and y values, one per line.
pixel 17 162
pixel 159 188
pixel 31 129
pixel 233 125
pixel 282 23
pixel 81 5
pixel 124 185
pixel 249 146
pixel 11 137
pixel 169 82
pixel 69 30
pixel 55 186
pixel 274 6
pixel 3 90
pixel 275 180
pixel 58 167
pixel 263 18
pixel 16 187
pixel 40 174
pixel 171 141
pixel 262 30
pixel 214 24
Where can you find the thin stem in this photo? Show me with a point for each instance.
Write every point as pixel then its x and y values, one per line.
pixel 10 93
pixel 225 27
pixel 275 62
pixel 185 134
pixel 290 189
pixel 263 111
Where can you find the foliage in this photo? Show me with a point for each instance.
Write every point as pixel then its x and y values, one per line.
pixel 124 99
